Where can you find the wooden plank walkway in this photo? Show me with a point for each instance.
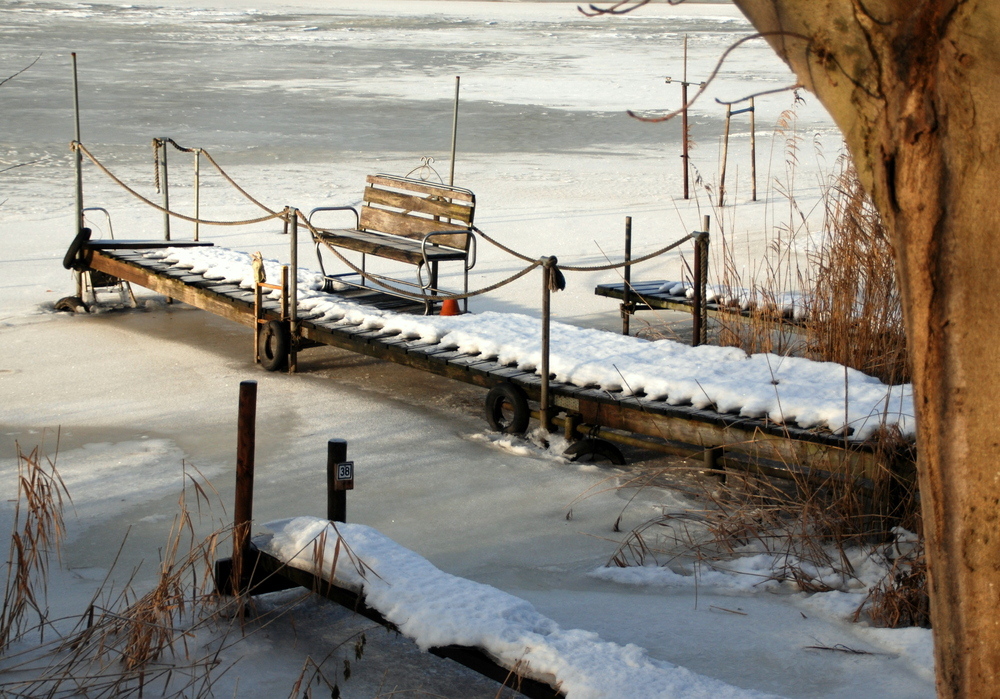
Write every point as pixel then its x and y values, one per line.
pixel 647 297
pixel 724 439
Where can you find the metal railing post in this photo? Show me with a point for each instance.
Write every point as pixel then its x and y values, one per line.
pixel 293 291
pixel 197 192
pixel 543 411
pixel 164 184
pixel 699 334
pixel 627 274
pixel 78 161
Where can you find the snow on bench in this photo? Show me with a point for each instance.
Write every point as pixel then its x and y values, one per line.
pixel 436 609
pixel 786 390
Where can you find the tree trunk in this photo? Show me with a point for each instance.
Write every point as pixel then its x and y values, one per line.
pixel 915 87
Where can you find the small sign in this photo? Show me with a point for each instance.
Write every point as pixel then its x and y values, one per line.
pixel 345 475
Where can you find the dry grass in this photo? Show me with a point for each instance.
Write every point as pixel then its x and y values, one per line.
pixel 36 535
pixel 171 641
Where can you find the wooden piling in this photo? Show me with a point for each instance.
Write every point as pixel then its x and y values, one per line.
pixel 699 315
pixel 246 429
pixel 336 496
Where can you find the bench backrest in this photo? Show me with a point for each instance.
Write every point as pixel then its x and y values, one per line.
pixel 413 208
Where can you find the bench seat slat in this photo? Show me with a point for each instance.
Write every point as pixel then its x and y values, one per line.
pixel 408 202
pixel 411 226
pixel 399 249
pixel 426 188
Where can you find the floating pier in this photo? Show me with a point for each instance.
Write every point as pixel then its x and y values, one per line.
pixel 722 440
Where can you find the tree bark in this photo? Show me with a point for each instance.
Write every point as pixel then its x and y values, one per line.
pixel 915 87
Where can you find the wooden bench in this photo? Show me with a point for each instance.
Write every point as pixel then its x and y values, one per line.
pixel 407 220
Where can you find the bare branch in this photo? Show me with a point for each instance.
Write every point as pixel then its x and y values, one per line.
pixel 786 88
pixel 11 77
pixel 715 73
pixel 595 11
pixel 30 162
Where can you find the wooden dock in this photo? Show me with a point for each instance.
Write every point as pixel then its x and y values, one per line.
pixel 723 440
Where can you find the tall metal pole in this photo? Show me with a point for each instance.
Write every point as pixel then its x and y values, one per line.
pixel 162 145
pixel 543 411
pixel 293 292
pixel 753 150
pixel 627 293
pixel 197 191
pixel 699 312
pixel 454 132
pixel 684 119
pixel 78 160
pixel 725 155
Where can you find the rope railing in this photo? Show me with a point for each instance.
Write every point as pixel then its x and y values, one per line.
pixel 374 278
pixel 76 145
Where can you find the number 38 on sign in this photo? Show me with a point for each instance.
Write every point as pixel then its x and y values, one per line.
pixel 345 476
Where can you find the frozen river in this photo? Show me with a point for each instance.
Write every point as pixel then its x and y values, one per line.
pixel 299 101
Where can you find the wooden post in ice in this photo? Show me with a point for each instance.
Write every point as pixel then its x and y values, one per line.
pixel 246 428
pixel 454 134
pixel 293 292
pixel 627 276
pixel 339 479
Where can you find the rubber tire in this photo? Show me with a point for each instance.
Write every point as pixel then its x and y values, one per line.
pixel 513 399
pixel 71 304
pixel 70 260
pixel 273 344
pixel 593 450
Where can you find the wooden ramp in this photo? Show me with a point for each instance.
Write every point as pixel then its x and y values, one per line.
pixel 724 440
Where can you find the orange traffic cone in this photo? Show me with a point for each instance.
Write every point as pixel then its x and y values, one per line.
pixel 449 307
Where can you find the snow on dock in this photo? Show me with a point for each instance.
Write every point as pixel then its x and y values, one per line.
pixel 436 609
pixel 786 390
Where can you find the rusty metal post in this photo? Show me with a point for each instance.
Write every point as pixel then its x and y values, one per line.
pixel 699 312
pixel 336 496
pixel 753 150
pixel 164 184
pixel 627 292
pixel 246 428
pixel 685 158
pixel 454 132
pixel 78 162
pixel 293 293
pixel 543 410
pixel 725 155
pixel 197 193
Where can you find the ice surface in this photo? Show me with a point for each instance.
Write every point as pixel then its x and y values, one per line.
pixel 299 100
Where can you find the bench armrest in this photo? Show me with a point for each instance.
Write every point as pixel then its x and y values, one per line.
pixel 357 218
pixel 471 247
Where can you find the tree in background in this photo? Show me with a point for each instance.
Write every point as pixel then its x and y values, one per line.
pixel 914 85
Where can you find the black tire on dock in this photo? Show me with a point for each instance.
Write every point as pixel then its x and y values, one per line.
pixel 71 258
pixel 273 344
pixel 71 304
pixel 507 409
pixel 591 450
